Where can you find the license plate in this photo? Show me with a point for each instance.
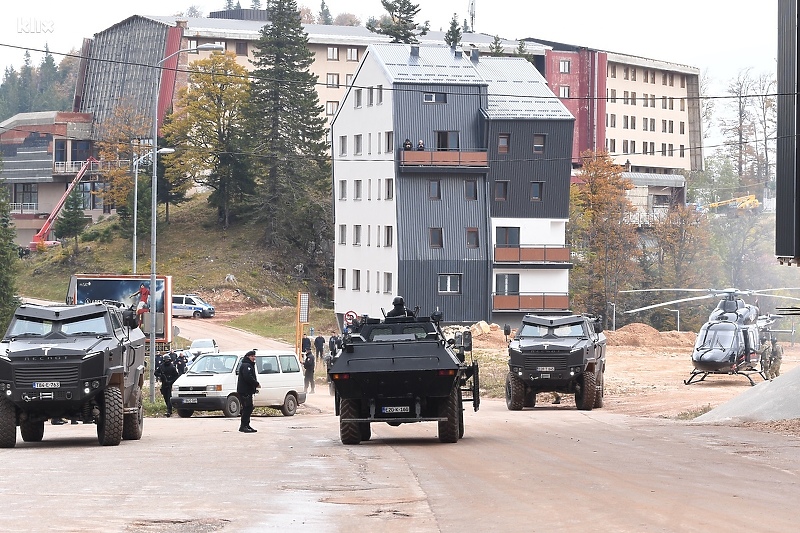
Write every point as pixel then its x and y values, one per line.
pixel 400 409
pixel 46 384
pixel 545 369
pixel 190 400
pixel 545 376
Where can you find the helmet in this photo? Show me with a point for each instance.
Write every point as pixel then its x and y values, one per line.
pixel 398 301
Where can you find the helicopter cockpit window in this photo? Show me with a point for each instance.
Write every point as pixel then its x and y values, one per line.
pixel 716 336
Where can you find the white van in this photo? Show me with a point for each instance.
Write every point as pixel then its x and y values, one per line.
pixel 210 383
pixel 191 305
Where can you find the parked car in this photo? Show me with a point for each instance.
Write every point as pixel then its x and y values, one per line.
pixel 201 346
pixel 191 305
pixel 210 383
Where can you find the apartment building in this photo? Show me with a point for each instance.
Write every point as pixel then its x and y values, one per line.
pixel 474 223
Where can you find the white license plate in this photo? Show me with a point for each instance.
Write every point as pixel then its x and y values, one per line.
pixel 190 400
pixel 545 376
pixel 400 409
pixel 545 369
pixel 46 384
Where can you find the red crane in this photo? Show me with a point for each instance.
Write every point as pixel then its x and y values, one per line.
pixel 40 239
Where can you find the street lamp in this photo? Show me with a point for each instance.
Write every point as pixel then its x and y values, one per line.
pixel 136 195
pixel 154 206
pixel 678 318
pixel 613 315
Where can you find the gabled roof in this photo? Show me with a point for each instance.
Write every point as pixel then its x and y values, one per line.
pixel 645 179
pixel 433 64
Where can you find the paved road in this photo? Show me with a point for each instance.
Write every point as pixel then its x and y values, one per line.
pixel 227 338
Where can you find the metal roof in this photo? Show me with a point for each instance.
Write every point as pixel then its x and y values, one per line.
pixel 433 64
pixel 646 179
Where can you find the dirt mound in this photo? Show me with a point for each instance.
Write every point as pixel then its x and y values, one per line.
pixel 638 334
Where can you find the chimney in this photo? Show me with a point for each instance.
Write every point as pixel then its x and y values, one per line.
pixel 458 53
pixel 181 23
pixel 475 55
pixel 414 50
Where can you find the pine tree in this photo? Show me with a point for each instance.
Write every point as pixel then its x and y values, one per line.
pixel 256 4
pixel 453 35
pixel 287 131
pixel 8 256
pixel 324 14
pixel 72 219
pixel 399 25
pixel 496 47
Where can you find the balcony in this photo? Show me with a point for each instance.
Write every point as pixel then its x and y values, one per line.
pixel 443 158
pixel 541 253
pixel 531 301
pixel 24 208
pixel 73 167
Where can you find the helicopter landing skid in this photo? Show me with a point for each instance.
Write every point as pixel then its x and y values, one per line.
pixel 703 374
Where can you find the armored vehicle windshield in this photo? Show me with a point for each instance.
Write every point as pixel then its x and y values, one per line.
pixel 28 326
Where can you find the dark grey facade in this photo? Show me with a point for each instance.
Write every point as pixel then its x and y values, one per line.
pixel 787 215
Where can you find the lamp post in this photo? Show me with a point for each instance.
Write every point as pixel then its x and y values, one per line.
pixel 153 207
pixel 678 318
pixel 136 195
pixel 613 315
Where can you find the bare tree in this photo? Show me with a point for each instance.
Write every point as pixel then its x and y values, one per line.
pixel 706 104
pixel 766 116
pixel 738 128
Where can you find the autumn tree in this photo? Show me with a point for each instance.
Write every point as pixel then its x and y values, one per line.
pixel 72 220
pixel 208 128
pixel 600 233
pixel 287 135
pixel 8 258
pixel 399 25
pixel 307 16
pixel 453 35
pixel 346 19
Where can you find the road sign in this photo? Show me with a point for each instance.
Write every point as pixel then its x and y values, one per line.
pixel 349 317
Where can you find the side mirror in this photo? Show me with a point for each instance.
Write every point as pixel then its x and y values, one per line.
pixel 466 340
pixel 598 326
pixel 129 319
pixel 506 330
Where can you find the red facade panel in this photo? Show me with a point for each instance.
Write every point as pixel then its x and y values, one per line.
pixel 168 72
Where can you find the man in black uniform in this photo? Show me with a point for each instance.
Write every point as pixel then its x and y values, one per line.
pixel 308 366
pixel 168 376
pixel 398 308
pixel 319 346
pixel 246 386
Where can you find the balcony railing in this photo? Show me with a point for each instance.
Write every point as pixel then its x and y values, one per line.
pixel 531 301
pixel 443 158
pixel 541 253
pixel 72 167
pixel 24 208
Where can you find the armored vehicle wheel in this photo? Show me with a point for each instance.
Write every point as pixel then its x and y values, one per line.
pixel 600 392
pixel 365 430
pixel 584 396
pixel 460 416
pixel 32 431
pixel 109 425
pixel 450 408
pixel 515 392
pixel 8 424
pixel 133 423
pixel 530 398
pixel 349 432
pixel 289 407
pixel 232 407
pixel 185 413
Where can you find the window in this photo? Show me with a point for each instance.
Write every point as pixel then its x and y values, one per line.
pixel 625 146
pixel 379 142
pixel 538 143
pixel 377 282
pixel 633 98
pixel 472 237
pixel 352 54
pixel 387 282
pixel 434 190
pixel 563 66
pixel 536 191
pixel 389 143
pixel 652 148
pixel 435 237
pixel 342 189
pixel 357 187
pixel 370 95
pixel 633 74
pixel 447 140
pixel 663 78
pixel 633 123
pixel 342 233
pixel 342 284
pixel 357 144
pixel 612 70
pixel 501 191
pixel 682 127
pixel 331 108
pixel 670 128
pixel 333 80
pixel 626 98
pixel 26 193
pixel 379 95
pixel 672 103
pixel 192 45
pixel 682 151
pixel 450 283
pixel 241 48
pixel 612 121
pixel 563 91
pixel 333 53
pixel 388 236
pixel 683 104
pixel 613 96
pixel 434 98
pixel 612 145
pixel 625 122
pixel 356 280
pixel 644 123
pixel 671 79
pixel 357 235
pixel 506 284
pixel 653 100
pixel 645 75
pixel 357 98
pixel 663 149
pixel 663 126
pixel 671 150
pixel 652 124
pixel 471 190
pixel 502 143
pixel 369 151
pixel 507 237
pixel 626 73
pixel 342 145
pixel 652 76
pixel 389 189
pixel 633 147
pixel 348 80
pixel 645 101
pixel 683 81
pixel 663 102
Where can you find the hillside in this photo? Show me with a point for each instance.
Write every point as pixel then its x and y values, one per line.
pixel 198 254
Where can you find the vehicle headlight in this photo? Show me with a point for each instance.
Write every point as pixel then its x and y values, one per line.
pixel 214 388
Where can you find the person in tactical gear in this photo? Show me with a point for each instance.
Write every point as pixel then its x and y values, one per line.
pixel 168 376
pixel 246 386
pixel 776 357
pixel 398 308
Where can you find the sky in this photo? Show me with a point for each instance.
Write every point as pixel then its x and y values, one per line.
pixel 720 37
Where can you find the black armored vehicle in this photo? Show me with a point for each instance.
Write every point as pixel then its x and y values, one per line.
pixel 401 369
pixel 556 354
pixel 80 362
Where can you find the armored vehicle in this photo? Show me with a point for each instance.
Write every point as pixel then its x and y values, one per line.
pixel 81 362
pixel 556 354
pixel 401 369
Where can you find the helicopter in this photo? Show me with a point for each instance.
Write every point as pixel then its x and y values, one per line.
pixel 728 343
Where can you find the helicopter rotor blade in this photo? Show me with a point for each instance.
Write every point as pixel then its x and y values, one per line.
pixel 662 304
pixel 667 290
